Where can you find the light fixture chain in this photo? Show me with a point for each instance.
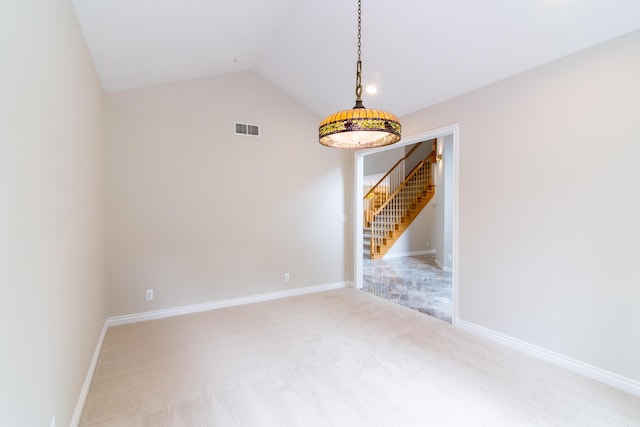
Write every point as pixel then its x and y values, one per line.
pixel 359 63
pixel 359 28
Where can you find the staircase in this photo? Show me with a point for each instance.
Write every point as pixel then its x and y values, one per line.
pixel 395 201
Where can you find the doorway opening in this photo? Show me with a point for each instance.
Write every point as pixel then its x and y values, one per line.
pixel 431 266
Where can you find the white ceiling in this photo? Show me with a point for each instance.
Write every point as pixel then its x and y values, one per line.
pixel 418 53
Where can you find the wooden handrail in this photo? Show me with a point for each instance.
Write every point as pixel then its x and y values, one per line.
pixel 404 183
pixel 371 190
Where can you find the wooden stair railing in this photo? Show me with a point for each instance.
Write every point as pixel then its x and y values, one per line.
pixel 382 190
pixel 392 217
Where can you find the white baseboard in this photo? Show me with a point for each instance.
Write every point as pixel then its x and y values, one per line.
pixel 214 305
pixel 443 268
pixel 84 392
pixel 590 371
pixel 404 254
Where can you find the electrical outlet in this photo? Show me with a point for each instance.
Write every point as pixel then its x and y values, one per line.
pixel 449 258
pixel 53 422
pixel 428 243
pixel 287 277
pixel 149 294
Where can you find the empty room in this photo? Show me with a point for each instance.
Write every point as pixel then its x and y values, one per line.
pixel 184 187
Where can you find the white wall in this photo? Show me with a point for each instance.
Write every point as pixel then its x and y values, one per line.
pixel 380 163
pixel 421 152
pixel 548 206
pixel 199 214
pixel 52 297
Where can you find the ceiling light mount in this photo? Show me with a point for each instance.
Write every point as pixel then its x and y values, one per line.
pixel 359 127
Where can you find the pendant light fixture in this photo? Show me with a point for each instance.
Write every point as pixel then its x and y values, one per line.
pixel 359 127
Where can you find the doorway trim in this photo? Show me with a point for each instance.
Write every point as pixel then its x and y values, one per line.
pixel 358 221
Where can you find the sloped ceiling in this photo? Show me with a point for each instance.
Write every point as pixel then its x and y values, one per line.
pixel 417 53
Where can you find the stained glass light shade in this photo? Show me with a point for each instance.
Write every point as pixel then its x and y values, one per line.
pixel 359 127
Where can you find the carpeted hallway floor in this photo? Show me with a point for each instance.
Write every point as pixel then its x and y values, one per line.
pixel 336 358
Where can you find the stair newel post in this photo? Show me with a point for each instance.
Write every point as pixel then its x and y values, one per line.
pixel 365 211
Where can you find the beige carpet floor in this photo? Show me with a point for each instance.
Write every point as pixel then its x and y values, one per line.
pixel 337 358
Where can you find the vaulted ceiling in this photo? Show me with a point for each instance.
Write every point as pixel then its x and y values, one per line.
pixel 417 53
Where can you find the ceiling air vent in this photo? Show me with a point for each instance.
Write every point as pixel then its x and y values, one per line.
pixel 247 129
